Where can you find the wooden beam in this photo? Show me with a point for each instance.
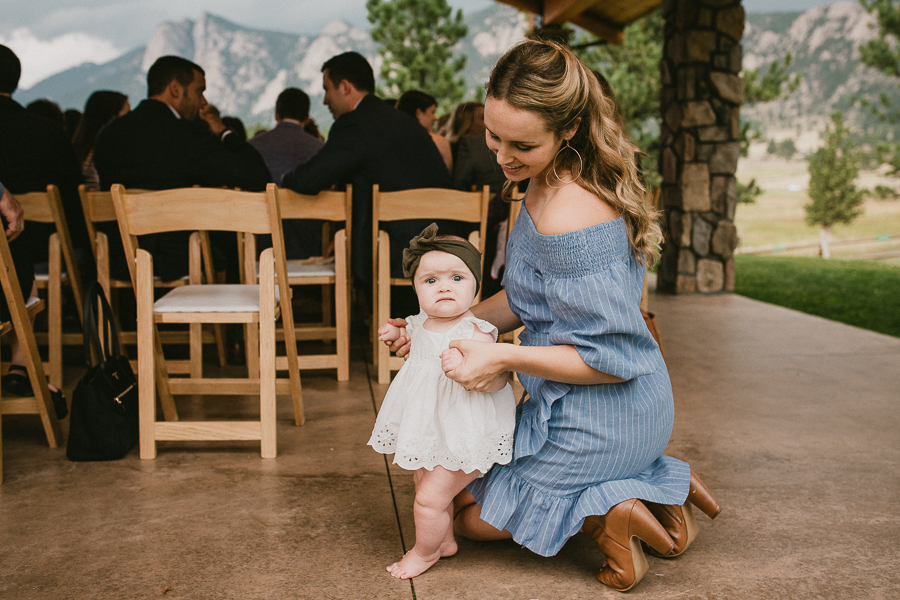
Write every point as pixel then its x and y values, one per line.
pixel 560 11
pixel 611 32
pixel 532 6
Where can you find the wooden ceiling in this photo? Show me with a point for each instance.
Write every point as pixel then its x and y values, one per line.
pixel 603 18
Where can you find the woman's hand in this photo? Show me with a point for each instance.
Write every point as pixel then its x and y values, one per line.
pixel 399 344
pixel 475 365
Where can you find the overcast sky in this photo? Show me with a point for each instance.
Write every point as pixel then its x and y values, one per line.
pixel 53 35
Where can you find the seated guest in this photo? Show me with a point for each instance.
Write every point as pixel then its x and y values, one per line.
pixel 160 145
pixel 101 107
pixel 421 106
pixel 50 111
pixel 236 126
pixel 466 118
pixel 34 152
pixel 283 148
pixel 73 118
pixel 476 165
pixel 370 143
pixel 312 129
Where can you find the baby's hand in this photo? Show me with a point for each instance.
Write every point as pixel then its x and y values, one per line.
pixel 451 359
pixel 391 334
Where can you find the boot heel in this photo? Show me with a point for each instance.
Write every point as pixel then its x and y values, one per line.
pixel 645 526
pixel 702 498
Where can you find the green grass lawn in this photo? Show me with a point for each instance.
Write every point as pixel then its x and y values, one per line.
pixel 857 292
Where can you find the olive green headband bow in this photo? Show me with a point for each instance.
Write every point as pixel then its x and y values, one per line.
pixel 425 242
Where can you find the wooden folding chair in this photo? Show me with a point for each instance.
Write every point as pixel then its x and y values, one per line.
pixel 428 203
pixel 203 209
pixel 336 208
pixel 21 318
pixel 98 208
pixel 46 207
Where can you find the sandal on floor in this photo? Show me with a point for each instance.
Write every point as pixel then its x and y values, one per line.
pixel 16 382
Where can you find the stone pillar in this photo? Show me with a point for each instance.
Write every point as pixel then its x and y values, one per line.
pixel 700 131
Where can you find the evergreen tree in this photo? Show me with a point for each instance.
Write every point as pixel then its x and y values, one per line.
pixel 833 170
pixel 417 39
pixel 632 70
pixel 883 53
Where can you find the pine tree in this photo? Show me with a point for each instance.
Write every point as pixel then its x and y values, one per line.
pixel 632 70
pixel 833 170
pixel 417 39
pixel 883 53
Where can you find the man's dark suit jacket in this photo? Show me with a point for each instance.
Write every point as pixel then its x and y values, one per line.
pixel 150 148
pixel 34 153
pixel 374 143
pixel 283 148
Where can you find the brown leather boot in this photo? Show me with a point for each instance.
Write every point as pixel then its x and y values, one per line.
pixel 618 533
pixel 679 521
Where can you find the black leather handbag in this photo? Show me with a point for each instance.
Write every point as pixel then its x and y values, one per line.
pixel 103 424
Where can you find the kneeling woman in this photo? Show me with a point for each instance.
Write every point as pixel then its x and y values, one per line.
pixel 590 438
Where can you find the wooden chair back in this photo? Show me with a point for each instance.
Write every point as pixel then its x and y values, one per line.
pixel 206 209
pixel 46 207
pixel 427 203
pixel 333 207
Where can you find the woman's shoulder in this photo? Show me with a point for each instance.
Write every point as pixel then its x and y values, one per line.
pixel 573 208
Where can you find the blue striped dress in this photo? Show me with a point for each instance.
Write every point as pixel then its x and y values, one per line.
pixel 581 449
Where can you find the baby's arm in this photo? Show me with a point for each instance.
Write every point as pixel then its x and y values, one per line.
pixel 452 358
pixel 389 333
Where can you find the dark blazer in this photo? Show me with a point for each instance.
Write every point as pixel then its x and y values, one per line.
pixel 34 153
pixel 283 148
pixel 150 148
pixel 374 143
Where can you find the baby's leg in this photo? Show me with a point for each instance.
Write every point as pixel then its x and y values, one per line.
pixel 448 546
pixel 433 515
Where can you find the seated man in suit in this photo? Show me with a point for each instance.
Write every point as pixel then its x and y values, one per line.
pixel 34 152
pixel 283 148
pixel 371 142
pixel 160 145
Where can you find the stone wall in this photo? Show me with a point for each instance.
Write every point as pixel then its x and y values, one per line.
pixel 700 131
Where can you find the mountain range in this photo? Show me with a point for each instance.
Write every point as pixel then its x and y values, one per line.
pixel 824 44
pixel 247 68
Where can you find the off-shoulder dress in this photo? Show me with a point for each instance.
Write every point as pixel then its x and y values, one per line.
pixel 581 449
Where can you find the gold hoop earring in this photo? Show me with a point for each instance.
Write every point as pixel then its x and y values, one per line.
pixel 580 162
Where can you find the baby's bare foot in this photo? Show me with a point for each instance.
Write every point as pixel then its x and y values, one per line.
pixel 412 565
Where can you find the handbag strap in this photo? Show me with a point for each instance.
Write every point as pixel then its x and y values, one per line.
pixel 94 296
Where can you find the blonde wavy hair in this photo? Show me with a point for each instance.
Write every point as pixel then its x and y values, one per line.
pixel 546 78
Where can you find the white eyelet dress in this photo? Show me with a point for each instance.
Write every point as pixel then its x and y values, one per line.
pixel 427 419
pixel 581 449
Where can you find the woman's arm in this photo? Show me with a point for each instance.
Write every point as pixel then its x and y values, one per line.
pixel 482 363
pixel 496 311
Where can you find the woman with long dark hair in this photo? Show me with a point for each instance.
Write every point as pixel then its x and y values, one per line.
pixel 102 107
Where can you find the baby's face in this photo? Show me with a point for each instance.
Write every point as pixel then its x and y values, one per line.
pixel 444 285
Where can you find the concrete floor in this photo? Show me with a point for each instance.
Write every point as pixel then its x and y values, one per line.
pixel 793 422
